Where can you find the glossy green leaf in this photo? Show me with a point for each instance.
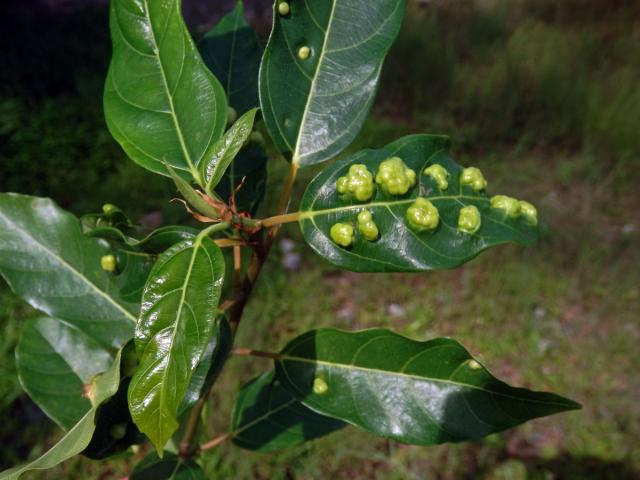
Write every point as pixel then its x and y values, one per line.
pixel 103 387
pixel 421 393
pixel 55 360
pixel 211 363
pixel 191 196
pixel 226 149
pixel 47 260
pixel 161 102
pixel 169 467
pixel 232 52
pixel 155 242
pixel 177 320
pixel 400 247
pixel 320 72
pixel 246 179
pixel 267 418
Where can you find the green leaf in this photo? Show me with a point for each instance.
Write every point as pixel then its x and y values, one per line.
pixel 421 393
pixel 77 438
pixel 154 243
pixel 169 467
pixel 177 321
pixel 161 102
pixel 191 196
pixel 210 365
pixel 400 247
pixel 47 260
pixel 232 52
pixel 55 361
pixel 249 169
pixel 267 418
pixel 225 150
pixel 314 107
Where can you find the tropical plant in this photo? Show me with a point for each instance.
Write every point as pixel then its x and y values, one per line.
pixel 135 329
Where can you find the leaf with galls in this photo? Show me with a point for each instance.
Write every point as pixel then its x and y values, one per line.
pixel 426 228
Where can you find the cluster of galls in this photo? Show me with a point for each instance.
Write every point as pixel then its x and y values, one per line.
pixel 394 177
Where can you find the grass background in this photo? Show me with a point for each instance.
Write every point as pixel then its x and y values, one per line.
pixel 543 95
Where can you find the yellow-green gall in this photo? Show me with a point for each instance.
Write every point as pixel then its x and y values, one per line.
pixel 108 208
pixel 320 386
pixel 395 177
pixel 474 178
pixel 510 205
pixel 423 215
pixel 118 431
pixel 108 263
pixel 474 365
pixel 358 182
pixel 439 175
pixel 367 226
pixel 529 212
pixel 232 115
pixel 304 52
pixel 283 9
pixel 469 220
pixel 342 234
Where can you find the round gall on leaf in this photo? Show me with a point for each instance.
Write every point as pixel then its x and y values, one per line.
pixel 529 212
pixel 394 177
pixel 319 386
pixel 108 263
pixel 439 175
pixel 304 52
pixel 283 9
pixel 108 208
pixel 474 365
pixel 423 215
pixel 342 234
pixel 469 220
pixel 474 178
pixel 510 205
pixel 358 183
pixel 232 116
pixel 367 226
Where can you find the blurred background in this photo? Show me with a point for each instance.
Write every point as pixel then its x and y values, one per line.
pixel 543 95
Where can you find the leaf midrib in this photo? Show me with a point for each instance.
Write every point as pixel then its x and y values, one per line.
pixel 296 154
pixel 70 268
pixel 401 374
pixel 156 53
pixel 196 245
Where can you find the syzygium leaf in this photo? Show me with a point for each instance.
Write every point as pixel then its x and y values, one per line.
pixel 232 52
pixel 177 320
pixel 421 393
pixel 399 245
pixel 211 363
pixel 224 151
pixel 47 260
pixel 169 467
pixel 161 102
pixel 320 71
pixel 103 387
pixel 55 360
pixel 266 417
pixel 155 242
